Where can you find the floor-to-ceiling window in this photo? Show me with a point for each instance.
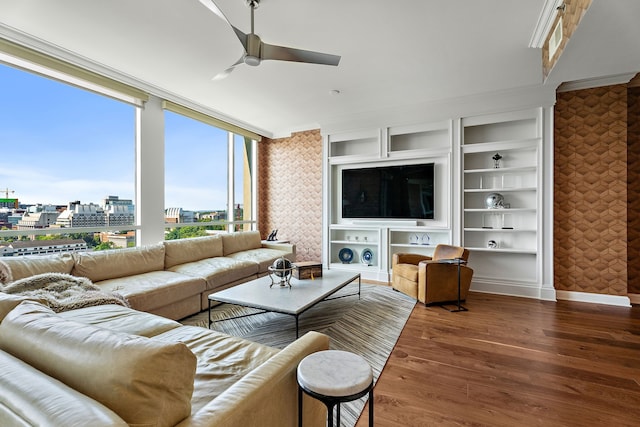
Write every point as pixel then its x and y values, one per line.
pixel 88 161
pixel 67 173
pixel 207 170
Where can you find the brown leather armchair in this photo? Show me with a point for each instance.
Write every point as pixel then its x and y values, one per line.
pixel 428 281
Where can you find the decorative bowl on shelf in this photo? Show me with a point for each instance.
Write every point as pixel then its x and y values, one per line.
pixel 345 255
pixel 367 256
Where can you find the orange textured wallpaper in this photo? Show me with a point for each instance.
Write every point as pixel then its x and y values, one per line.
pixel 633 189
pixel 290 191
pixel 590 191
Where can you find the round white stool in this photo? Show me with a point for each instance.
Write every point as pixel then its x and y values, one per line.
pixel 335 376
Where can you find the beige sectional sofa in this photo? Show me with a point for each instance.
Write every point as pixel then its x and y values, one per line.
pixel 111 365
pixel 172 279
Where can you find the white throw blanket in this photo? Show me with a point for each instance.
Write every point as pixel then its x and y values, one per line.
pixel 63 292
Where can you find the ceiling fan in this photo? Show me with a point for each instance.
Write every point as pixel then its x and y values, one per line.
pixel 255 50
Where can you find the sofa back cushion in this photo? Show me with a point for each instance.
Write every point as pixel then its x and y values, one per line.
pixel 19 267
pixel 182 251
pixel 240 241
pixel 111 264
pixel 8 302
pixel 146 382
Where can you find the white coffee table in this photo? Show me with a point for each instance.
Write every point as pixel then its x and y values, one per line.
pixel 294 300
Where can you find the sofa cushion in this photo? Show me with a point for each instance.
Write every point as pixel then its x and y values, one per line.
pixel 122 319
pixel 28 397
pixel 240 241
pixel 15 268
pixel 8 302
pixel 148 291
pixel 264 257
pixel 110 264
pixel 218 271
pixel 222 360
pixel 182 251
pixel 146 382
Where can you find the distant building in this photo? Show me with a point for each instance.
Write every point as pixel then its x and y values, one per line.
pixel 42 247
pixel 118 215
pixel 4 219
pixel 15 217
pixel 110 201
pixel 212 216
pixel 178 215
pixel 82 215
pixel 37 217
pixel 32 221
pixel 9 203
pixel 119 240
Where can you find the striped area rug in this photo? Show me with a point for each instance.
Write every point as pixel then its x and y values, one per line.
pixel 369 326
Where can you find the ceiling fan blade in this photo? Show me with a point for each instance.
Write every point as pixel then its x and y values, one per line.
pixel 209 4
pixel 281 53
pixel 221 75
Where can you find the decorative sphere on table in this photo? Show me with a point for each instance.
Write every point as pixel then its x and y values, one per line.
pixel 281 268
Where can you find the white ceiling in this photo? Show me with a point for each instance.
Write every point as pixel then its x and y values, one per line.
pixel 394 54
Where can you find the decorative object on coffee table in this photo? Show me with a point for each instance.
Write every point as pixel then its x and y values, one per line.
pixel 280 270
pixel 307 270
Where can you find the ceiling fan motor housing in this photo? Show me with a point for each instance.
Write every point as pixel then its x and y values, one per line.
pixel 253 50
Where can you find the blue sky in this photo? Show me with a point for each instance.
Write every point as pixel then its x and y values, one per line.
pixel 60 143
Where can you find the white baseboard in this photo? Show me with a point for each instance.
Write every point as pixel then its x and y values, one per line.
pixel 515 289
pixel 621 301
pixel 634 298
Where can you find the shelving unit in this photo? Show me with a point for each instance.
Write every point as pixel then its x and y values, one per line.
pixel 416 240
pixel 519 261
pixel 504 239
pixel 411 144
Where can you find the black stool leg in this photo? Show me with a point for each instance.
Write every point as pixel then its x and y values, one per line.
pixel 371 407
pixel 299 407
pixel 330 415
pixel 338 417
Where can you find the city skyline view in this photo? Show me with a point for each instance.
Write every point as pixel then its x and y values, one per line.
pixel 61 144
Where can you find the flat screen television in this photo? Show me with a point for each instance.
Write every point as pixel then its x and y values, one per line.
pixel 394 192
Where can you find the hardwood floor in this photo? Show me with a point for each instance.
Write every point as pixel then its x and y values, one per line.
pixel 513 362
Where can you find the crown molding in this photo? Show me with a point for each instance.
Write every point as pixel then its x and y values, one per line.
pixel 596 82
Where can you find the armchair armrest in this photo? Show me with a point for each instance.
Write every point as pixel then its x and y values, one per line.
pixel 438 282
pixel 406 258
